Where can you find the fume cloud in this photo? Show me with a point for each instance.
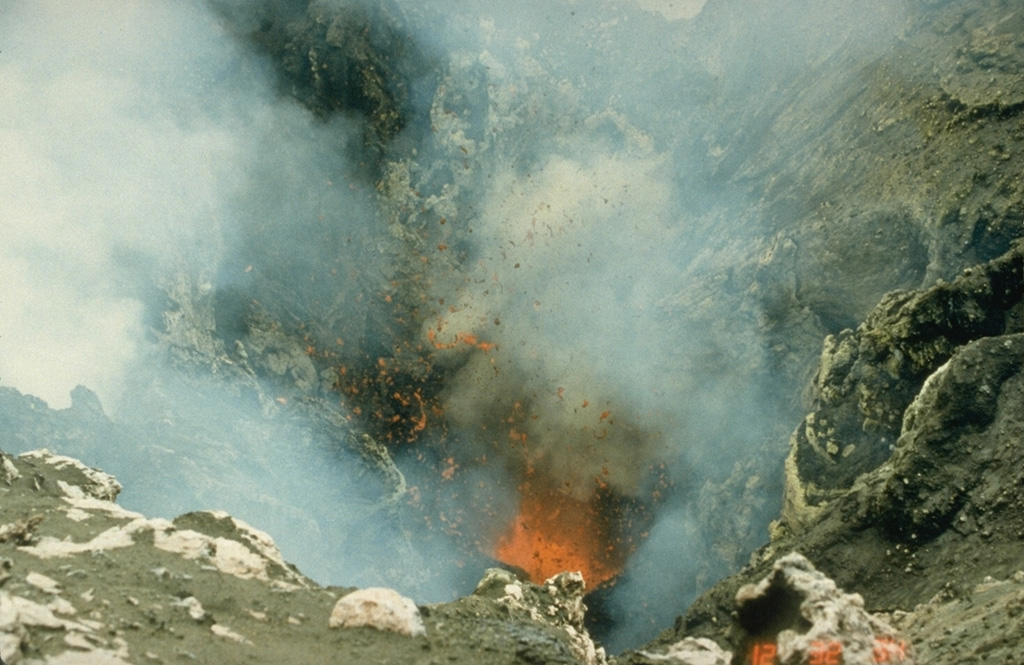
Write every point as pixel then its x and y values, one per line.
pixel 140 140
pixel 563 189
pixel 560 282
pixel 152 167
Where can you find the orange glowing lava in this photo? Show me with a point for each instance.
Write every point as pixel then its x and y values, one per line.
pixel 554 533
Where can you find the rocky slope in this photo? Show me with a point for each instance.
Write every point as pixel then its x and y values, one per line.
pixel 85 581
pixel 938 521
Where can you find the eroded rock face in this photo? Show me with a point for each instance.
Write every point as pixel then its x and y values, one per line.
pixel 958 456
pixel 801 616
pixel 792 616
pixel 939 517
pixel 867 378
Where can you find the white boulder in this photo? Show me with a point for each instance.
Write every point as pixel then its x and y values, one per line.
pixel 380 608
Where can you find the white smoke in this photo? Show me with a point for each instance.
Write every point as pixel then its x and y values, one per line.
pixel 584 154
pixel 134 134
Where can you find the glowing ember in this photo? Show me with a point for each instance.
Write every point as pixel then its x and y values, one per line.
pixel 554 533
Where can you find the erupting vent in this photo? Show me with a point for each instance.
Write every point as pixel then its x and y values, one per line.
pixel 554 533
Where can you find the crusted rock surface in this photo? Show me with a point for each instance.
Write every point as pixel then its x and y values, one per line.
pixel 867 378
pixel 939 517
pixel 802 616
pixel 83 580
pixel 794 615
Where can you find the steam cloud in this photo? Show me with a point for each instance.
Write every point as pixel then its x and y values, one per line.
pixel 582 194
pixel 137 146
pixel 144 144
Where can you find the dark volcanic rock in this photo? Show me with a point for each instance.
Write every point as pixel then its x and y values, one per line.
pixel 868 377
pixel 915 156
pixel 890 175
pixel 974 624
pixel 956 458
pixel 944 512
pixel 355 60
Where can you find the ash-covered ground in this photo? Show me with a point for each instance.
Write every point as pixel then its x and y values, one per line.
pixel 421 289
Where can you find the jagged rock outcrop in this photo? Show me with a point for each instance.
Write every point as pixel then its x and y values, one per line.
pixel 799 615
pixel 86 581
pixel 944 507
pixel 558 601
pixel 794 615
pixel 867 378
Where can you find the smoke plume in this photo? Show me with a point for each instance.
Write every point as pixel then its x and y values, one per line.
pixel 536 226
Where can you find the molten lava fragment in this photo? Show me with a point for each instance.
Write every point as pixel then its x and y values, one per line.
pixel 554 533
